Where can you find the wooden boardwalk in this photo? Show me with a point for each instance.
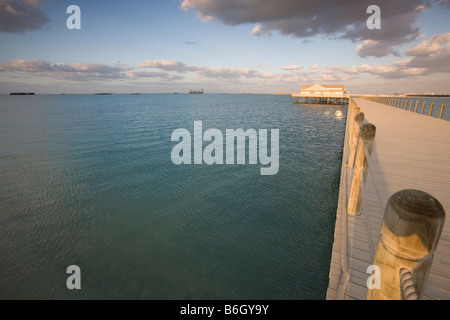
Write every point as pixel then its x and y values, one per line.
pixel 411 151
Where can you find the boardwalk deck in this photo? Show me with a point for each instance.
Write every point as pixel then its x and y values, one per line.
pixel 411 151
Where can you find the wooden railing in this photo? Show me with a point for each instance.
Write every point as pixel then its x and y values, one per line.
pixel 412 224
pixel 404 104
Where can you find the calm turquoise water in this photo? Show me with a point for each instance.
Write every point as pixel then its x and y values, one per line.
pixel 88 180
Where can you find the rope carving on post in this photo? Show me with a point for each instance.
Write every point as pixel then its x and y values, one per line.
pixel 407 285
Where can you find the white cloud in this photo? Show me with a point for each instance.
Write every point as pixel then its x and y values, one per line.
pixel 259 30
pixel 293 67
pixel 227 73
pixel 432 46
pixel 373 48
pixel 74 71
pixel 26 66
pixel 153 74
pixel 168 65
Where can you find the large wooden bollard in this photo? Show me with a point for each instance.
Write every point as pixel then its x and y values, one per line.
pixel 412 225
pixel 366 137
pixel 353 140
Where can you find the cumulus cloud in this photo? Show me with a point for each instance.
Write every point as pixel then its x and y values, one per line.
pixel 376 48
pixel 75 71
pixel 26 66
pixel 154 74
pixel 19 16
pixel 227 73
pixel 428 57
pixel 432 46
pixel 180 67
pixel 331 19
pixel 294 67
pixel 91 69
pixel 168 65
pixel 259 30
pixel 432 55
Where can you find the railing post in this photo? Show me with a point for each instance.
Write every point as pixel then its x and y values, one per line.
pixel 354 134
pixel 412 225
pixel 442 110
pixel 366 137
pixel 417 103
pixel 423 107
pixel 431 108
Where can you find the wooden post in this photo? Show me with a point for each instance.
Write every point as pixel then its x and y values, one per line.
pixel 353 141
pixel 410 105
pixel 423 107
pixel 366 137
pixel 431 108
pixel 442 110
pixel 417 103
pixel 412 225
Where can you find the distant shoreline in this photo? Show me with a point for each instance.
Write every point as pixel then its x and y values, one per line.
pixel 429 95
pixel 223 93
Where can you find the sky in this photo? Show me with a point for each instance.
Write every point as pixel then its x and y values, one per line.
pixel 224 46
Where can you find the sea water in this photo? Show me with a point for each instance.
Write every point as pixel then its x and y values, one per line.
pixel 88 180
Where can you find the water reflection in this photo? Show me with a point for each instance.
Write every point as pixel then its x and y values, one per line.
pixel 338 115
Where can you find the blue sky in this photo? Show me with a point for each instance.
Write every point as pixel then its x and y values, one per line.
pixel 227 46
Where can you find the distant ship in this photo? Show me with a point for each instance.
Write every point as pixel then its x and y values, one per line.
pixel 196 92
pixel 22 93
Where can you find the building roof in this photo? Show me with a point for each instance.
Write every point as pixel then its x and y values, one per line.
pixel 323 87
